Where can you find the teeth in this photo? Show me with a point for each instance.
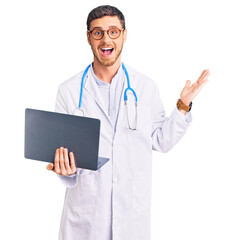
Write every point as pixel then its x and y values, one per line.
pixel 106 48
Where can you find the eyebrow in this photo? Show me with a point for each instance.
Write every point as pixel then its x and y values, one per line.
pixel 112 26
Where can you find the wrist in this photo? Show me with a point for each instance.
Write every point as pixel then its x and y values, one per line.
pixel 185 101
pixel 183 107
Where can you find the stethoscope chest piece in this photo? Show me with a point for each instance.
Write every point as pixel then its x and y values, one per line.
pixel 131 114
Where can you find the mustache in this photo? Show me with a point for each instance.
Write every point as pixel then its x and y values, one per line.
pixel 106 46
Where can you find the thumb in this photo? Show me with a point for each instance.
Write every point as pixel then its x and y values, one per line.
pixel 50 166
pixel 187 84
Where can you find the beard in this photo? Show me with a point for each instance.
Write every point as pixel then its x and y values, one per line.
pixel 107 62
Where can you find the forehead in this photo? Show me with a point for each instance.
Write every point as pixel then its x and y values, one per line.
pixel 106 22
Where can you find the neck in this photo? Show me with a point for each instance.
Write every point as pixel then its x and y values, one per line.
pixel 106 73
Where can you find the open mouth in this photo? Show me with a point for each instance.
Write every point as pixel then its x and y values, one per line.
pixel 106 51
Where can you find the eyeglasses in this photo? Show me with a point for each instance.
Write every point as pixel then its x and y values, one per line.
pixel 98 34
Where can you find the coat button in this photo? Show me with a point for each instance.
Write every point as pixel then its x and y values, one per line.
pixel 115 180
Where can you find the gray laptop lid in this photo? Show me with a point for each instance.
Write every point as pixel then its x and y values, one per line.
pixel 46 131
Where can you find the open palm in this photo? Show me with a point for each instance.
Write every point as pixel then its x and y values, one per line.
pixel 190 92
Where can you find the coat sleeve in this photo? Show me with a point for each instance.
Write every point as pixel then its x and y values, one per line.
pixel 61 107
pixel 167 131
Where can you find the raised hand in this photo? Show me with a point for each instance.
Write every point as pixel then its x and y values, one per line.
pixel 190 92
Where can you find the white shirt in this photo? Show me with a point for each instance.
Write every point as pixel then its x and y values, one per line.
pixel 111 93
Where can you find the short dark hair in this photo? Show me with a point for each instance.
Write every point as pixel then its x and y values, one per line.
pixel 105 10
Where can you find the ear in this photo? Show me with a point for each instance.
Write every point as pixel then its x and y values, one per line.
pixel 88 38
pixel 125 35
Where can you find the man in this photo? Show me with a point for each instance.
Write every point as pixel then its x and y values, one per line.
pixel 114 201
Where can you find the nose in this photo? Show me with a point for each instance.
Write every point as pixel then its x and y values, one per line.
pixel 106 37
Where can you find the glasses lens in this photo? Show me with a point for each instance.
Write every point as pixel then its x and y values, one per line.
pixel 114 33
pixel 97 34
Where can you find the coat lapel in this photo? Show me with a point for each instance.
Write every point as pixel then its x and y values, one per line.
pixel 91 88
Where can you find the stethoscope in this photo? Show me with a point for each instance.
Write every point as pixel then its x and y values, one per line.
pixel 79 109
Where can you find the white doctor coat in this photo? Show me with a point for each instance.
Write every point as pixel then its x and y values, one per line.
pixel 113 203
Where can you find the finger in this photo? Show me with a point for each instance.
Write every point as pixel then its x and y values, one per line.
pixel 56 162
pixel 72 162
pixel 208 71
pixel 187 84
pixel 202 82
pixel 202 85
pixel 201 79
pixel 50 167
pixel 61 162
pixel 66 161
pixel 204 74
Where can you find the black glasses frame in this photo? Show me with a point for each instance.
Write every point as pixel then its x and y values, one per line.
pixel 102 31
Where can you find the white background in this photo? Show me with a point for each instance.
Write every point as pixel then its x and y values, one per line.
pixel 43 43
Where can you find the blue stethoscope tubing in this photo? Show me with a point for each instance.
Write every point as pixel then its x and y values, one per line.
pixel 125 94
pixel 82 83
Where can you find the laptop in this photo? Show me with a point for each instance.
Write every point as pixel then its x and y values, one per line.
pixel 46 131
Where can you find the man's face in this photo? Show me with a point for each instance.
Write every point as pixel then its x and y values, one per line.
pixel 106 50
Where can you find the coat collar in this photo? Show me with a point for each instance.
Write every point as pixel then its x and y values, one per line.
pixel 91 87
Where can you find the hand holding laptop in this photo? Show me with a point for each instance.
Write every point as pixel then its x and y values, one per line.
pixel 62 165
